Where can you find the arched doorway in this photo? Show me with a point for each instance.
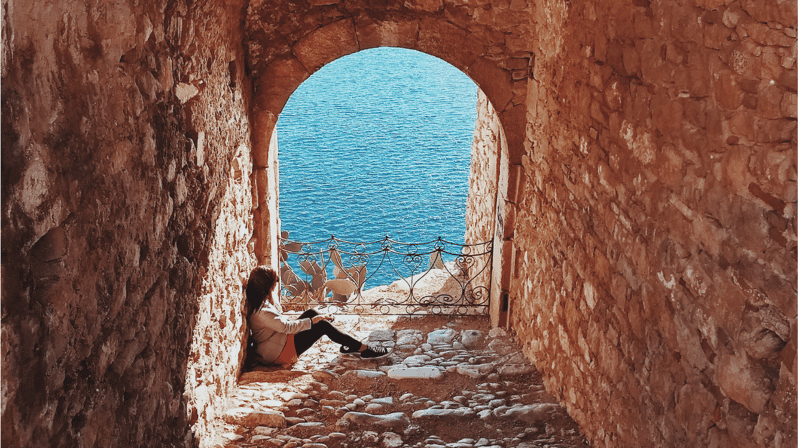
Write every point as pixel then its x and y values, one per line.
pixel 278 75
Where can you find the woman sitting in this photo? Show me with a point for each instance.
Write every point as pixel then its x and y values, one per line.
pixel 280 340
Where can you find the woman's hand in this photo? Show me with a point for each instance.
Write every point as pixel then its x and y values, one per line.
pixel 321 317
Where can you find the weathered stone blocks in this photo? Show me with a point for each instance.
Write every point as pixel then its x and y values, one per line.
pixel 326 44
pixel 123 208
pixel 650 251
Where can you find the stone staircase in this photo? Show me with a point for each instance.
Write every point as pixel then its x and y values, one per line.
pixel 446 384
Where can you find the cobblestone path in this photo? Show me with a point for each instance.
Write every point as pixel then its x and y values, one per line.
pixel 448 383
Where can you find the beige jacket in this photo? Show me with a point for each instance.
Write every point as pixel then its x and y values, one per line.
pixel 270 329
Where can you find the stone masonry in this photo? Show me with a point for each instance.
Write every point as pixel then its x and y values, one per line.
pixel 655 239
pixel 644 224
pixel 126 219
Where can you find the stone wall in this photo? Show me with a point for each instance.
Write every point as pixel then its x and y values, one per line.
pixel 483 192
pixel 646 238
pixel 126 218
pixel 656 236
pixel 483 177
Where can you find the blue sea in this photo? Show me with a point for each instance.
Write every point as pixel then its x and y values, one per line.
pixel 375 144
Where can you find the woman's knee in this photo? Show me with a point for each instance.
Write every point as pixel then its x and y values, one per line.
pixel 324 325
pixel 308 314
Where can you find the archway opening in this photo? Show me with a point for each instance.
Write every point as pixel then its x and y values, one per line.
pixel 502 80
pixel 375 149
pixel 377 143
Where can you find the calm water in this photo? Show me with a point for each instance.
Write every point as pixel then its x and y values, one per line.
pixel 377 144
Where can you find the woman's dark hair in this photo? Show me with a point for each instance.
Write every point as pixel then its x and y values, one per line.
pixel 260 284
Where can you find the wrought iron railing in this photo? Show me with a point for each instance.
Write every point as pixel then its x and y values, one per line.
pixel 386 276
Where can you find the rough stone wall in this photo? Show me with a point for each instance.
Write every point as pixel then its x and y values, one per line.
pixel 126 203
pixel 483 191
pixel 483 177
pixel 656 236
pixel 652 234
pixel 488 205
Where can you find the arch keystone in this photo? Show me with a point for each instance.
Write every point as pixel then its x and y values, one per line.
pixel 373 33
pixel 326 44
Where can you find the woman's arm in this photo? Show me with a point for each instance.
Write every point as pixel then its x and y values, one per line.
pixel 282 324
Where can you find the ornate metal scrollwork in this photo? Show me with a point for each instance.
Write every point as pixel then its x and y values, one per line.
pixel 386 276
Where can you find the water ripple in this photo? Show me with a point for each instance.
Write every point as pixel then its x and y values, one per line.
pixel 377 143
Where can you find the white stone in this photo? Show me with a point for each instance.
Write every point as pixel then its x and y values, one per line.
pixel 251 418
pixel 369 437
pixel 497 402
pixel 532 413
pixel 288 396
pixel 185 92
pixel 320 375
pixel 433 373
pixel 409 337
pixel 381 335
pixel 374 408
pixel 384 400
pixel 369 374
pixel 392 440
pixel 397 420
pixel 416 359
pixel 442 336
pixel 516 369
pixel 264 431
pixel 271 403
pixel 497 333
pixel 336 395
pixel 475 371
pixel 459 412
pixel 333 403
pixel 500 347
pixel 470 338
pixel 515 358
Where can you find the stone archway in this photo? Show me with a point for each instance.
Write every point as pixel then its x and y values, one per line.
pixel 285 55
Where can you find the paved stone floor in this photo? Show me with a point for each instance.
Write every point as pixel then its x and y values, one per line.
pixel 449 382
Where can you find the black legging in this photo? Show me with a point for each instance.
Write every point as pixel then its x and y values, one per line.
pixel 305 339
